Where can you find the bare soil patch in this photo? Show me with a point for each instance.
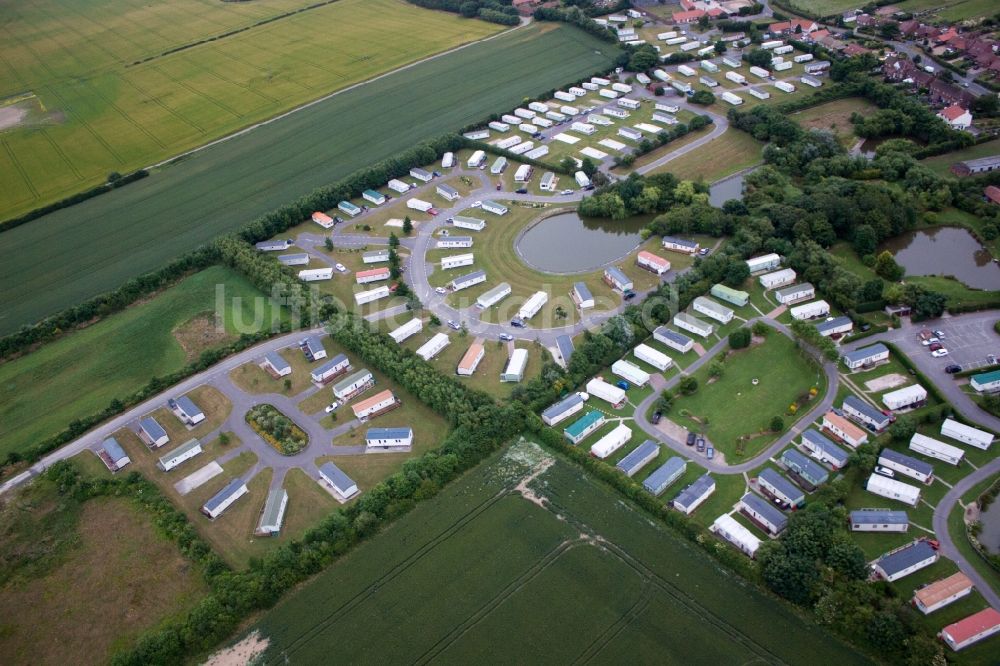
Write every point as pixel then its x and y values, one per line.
pixel 12 116
pixel 201 332
pixel 885 382
pixel 241 653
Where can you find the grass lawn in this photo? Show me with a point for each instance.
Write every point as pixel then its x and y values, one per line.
pixel 731 152
pixel 835 116
pixel 824 7
pixel 941 164
pixel 956 527
pixel 62 556
pixel 117 114
pixel 253 379
pixel 65 257
pixel 734 407
pixel 81 373
pixel 495 253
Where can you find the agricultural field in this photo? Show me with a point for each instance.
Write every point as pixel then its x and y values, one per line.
pixel 82 372
pixel 731 152
pixel 826 7
pixel 67 256
pixel 107 96
pixel 733 406
pixel 835 117
pixel 952 11
pixel 557 545
pixel 79 574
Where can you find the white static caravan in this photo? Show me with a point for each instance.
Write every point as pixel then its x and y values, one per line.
pixel 564 96
pixel 784 86
pixel 609 393
pixel 579 92
pixel 811 81
pixel 666 35
pixel 581 296
pixel 710 82
pixel 673 339
pixel 932 448
pixel 759 94
pixel 375 256
pixel 782 66
pixel 434 346
pixel 363 297
pixel 526 114
pixel 810 310
pixel 710 308
pixel 528 128
pixel 733 532
pixel 587 85
pixel 611 442
pixel 731 98
pixel 663 119
pixel 499 126
pixel 942 592
pixel 407 330
pixel 782 50
pixel 542 122
pixel 630 372
pixel 373 197
pixel 966 434
pixel 469 280
pixel 655 358
pixel 598 119
pixel 708 50
pixel 906 465
pixel 795 292
pixel 630 134
pixel 510 120
pixel 773 44
pixel 805 57
pixel 447 192
pixel 600 81
pixel 760 72
pixel 615 112
pixel 608 94
pixel 883 486
pixel 446 242
pixel 583 128
pixel 185 451
pixel 690 46
pixel 548 182
pixel 623 88
pixel 322 219
pixel 398 186
pixel 730 61
pixel 662 76
pixel 538 107
pixel 556 116
pixel 686 322
pixel 353 385
pixel 569 110
pixel 514 372
pixel 674 41
pixel 389 438
pixel 695 494
pixel 372 275
pixel 316 274
pixel 471 223
pixel 765 262
pixel 562 410
pixel 652 263
pixel 457 261
pixel 777 278
pixel 493 296
pixel 523 147
pixel 684 70
pixel 448 160
pixel 531 306
pixel 736 77
pixel 523 174
pixel 910 396
pixel 499 166
pixel 582 179
pixel 476 160
pixel 643 79
pixel 223 499
pixel 708 66
pixel 627 103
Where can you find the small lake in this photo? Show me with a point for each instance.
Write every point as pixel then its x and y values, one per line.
pixel 990 536
pixel 946 251
pixel 567 243
pixel 722 191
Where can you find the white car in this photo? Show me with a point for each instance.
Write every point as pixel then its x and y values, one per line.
pixel 929 341
pixel 939 353
pixel 565 192
pixel 477 204
pixel 332 406
pixel 340 267
pixel 440 290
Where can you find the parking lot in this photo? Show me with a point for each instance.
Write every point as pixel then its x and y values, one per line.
pixel 968 341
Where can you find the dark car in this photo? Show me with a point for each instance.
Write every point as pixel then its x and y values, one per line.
pixel 936 346
pixel 517 322
pixel 710 453
pixel 656 417
pixel 700 444
pixel 622 384
pixel 628 295
pixel 691 439
pixel 521 190
pixel 953 368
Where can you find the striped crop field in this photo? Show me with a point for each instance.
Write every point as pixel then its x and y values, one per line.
pixel 75 253
pixel 91 87
pixel 566 567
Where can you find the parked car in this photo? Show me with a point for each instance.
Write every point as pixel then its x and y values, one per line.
pixel 565 192
pixel 521 190
pixel 936 346
pixel 506 337
pixel 656 417
pixel 929 341
pixel 704 251
pixel 691 439
pixel 341 267
pixel 338 219
pixel 953 368
pixel 450 220
pixel 991 359
pixel 885 471
pixel 939 334
pixel 628 295
pixel 499 187
pixel 700 444
pixel 437 174
pixel 478 204
pixel 710 453
pixel 517 323
pixel 332 406
pixel 452 324
pixel 622 384
pixel 939 353
pixel 441 290
pixel 432 211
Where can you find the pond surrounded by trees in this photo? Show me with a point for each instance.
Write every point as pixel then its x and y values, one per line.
pixel 946 251
pixel 568 243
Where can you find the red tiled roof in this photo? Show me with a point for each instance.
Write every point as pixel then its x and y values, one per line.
pixel 692 15
pixel 952 112
pixel 976 623
pixel 819 34
pixel 992 193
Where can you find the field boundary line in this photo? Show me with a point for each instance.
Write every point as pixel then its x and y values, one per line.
pixel 56 147
pixel 397 570
pixel 195 92
pixel 160 103
pixel 498 599
pixel 614 630
pixel 20 169
pixel 302 107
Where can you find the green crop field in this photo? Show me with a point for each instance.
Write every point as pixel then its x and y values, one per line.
pixel 825 7
pixel 734 406
pixel 731 152
pixel 81 373
pixel 563 565
pixel 96 108
pixel 78 252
